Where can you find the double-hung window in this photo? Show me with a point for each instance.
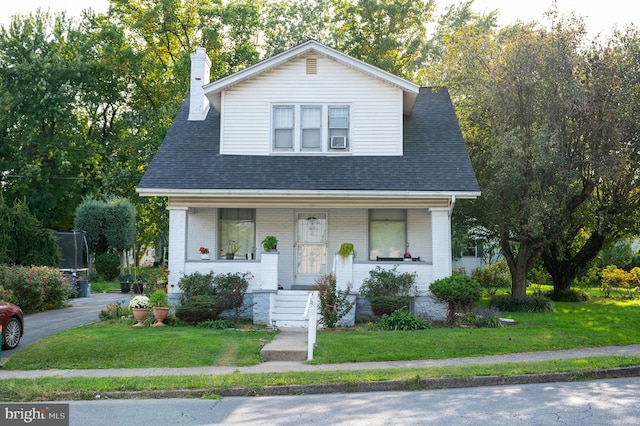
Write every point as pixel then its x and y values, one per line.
pixel 310 128
pixel 338 126
pixel 387 233
pixel 283 121
pixel 237 227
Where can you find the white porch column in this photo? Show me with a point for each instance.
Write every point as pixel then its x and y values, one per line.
pixel 343 271
pixel 441 242
pixel 177 245
pixel 269 270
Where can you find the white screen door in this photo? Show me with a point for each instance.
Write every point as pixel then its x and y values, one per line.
pixel 311 253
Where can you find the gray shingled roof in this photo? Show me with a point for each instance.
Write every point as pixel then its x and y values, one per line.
pixel 435 159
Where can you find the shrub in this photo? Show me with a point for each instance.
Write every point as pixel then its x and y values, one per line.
pixel 333 304
pixel 460 292
pixel 114 312
pixel 35 288
pixel 199 308
pixel 382 305
pixel 569 295
pixel 533 303
pixel 484 317
pixel 403 320
pixel 388 290
pixel 493 277
pixel 108 265
pixel 212 294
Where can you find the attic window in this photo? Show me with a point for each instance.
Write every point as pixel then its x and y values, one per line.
pixel 312 66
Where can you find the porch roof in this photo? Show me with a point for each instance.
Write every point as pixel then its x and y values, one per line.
pixel 435 163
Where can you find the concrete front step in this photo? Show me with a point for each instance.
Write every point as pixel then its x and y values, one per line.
pixel 290 344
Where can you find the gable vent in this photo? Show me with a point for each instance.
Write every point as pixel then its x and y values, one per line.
pixel 312 66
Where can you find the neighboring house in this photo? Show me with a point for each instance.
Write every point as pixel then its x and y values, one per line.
pixel 318 149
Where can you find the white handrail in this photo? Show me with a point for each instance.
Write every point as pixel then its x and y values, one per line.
pixel 311 315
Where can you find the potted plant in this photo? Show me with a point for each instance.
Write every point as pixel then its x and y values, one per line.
pixel 270 243
pixel 407 254
pixel 232 247
pixel 346 250
pixel 160 304
pixel 125 282
pixel 204 253
pixel 139 306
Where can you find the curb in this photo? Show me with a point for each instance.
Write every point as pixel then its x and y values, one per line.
pixel 381 386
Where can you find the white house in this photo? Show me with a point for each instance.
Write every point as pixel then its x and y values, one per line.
pixel 318 149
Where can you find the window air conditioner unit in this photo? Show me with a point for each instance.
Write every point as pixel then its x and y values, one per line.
pixel 338 142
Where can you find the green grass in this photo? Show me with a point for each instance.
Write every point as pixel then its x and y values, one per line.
pixel 56 388
pixel 574 325
pixel 104 286
pixel 120 345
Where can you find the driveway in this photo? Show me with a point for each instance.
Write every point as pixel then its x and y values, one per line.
pixel 83 310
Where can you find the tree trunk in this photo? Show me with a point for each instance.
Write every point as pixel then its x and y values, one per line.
pixel 520 261
pixel 564 269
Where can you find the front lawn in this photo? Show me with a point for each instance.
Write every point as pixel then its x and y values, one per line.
pixel 574 325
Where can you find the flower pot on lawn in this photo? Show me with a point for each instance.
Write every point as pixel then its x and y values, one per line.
pixel 140 314
pixel 161 315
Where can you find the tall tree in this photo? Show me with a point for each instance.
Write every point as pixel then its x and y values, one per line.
pixel 515 92
pixel 608 135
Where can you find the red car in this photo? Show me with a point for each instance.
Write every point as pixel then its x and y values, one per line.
pixel 12 324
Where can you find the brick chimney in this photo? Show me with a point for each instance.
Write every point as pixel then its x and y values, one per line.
pixel 200 71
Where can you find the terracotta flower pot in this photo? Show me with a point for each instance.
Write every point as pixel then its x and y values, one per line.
pixel 161 315
pixel 140 315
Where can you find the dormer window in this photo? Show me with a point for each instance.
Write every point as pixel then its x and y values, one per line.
pixel 307 128
pixel 338 126
pixel 283 119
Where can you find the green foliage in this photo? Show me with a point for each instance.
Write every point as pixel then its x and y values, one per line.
pixel 35 288
pixel 114 312
pixel 269 243
pixel 334 304
pixel 382 305
pixel 388 282
pixel 206 296
pixel 533 303
pixel 158 299
pixel 484 317
pixel 570 295
pixel 493 276
pixel 403 320
pixel 346 249
pixel 219 324
pixel 388 290
pixel 460 292
pixel 108 265
pixel 23 241
pixel 199 308
pixel 108 224
pixel 618 280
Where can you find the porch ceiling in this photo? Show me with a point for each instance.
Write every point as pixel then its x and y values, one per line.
pixel 354 201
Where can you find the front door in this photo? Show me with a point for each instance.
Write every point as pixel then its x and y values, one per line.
pixel 311 245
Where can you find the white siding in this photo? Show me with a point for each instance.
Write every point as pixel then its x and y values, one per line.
pixel 348 226
pixel 201 232
pixel 280 223
pixel 419 233
pixel 375 107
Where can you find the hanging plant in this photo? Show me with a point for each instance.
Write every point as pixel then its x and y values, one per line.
pixel 346 249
